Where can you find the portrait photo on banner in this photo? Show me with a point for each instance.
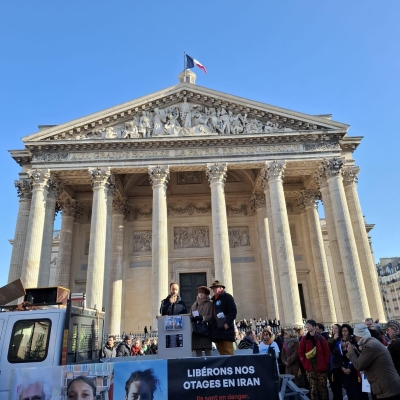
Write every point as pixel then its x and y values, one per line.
pixel 44 383
pixel 147 378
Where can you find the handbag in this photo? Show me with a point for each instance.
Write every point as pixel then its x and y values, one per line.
pixel 312 353
pixel 201 328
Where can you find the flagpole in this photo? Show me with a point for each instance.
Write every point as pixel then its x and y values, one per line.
pixel 184 64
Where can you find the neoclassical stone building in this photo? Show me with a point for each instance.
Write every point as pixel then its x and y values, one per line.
pixel 190 185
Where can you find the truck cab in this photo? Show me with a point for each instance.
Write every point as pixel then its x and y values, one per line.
pixel 47 335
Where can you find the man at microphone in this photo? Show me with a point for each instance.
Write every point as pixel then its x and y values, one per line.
pixel 173 304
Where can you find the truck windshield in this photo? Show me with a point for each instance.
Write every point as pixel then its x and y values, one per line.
pixel 29 341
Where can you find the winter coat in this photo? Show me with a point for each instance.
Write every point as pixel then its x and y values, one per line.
pixel 225 304
pixel 205 309
pixel 290 355
pixel 323 354
pixel 377 364
pixel 123 350
pixel 176 308
pixel 394 350
pixel 336 355
pixel 108 352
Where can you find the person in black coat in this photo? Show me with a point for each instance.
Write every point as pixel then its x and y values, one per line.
pixel 124 348
pixel 222 329
pixel 173 303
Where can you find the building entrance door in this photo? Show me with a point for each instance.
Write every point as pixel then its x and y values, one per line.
pixel 188 284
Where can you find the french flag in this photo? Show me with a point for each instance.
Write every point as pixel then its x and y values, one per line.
pixel 191 62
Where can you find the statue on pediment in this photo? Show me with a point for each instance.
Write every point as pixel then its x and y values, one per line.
pixel 183 119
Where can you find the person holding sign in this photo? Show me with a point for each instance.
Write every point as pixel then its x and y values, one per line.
pixel 201 313
pixel 173 304
pixel 223 318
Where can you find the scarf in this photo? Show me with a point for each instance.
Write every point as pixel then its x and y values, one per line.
pixel 268 342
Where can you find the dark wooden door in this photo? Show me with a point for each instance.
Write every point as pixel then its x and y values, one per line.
pixel 188 284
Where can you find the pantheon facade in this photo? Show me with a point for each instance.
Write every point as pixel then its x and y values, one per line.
pixel 190 185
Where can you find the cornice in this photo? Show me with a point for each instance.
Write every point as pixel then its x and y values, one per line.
pixel 316 137
pixel 350 143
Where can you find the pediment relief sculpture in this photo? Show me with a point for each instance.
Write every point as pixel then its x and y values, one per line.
pixel 186 119
pixel 177 112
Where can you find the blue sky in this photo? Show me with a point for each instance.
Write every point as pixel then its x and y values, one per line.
pixel 63 60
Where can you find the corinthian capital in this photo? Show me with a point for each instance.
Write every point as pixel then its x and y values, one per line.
pixel 159 175
pixel 111 184
pixel 308 198
pixel 273 171
pixel 120 205
pixel 99 176
pixel 69 207
pixel 257 201
pixel 54 187
pixel 216 173
pixel 332 167
pixel 39 177
pixel 24 188
pixel 319 177
pixel 350 175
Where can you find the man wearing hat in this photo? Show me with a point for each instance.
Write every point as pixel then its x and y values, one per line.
pixel 377 364
pixel 124 348
pixel 393 330
pixel 223 318
pixel 201 311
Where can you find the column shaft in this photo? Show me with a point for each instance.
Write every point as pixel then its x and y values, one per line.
pixel 266 257
pixel 70 210
pixel 115 305
pixel 34 236
pixel 308 200
pixel 348 250
pixel 97 246
pixel 159 177
pixel 281 311
pixel 216 174
pixel 335 253
pixel 108 255
pixel 284 250
pixel 363 247
pixel 315 304
pixel 53 190
pixel 24 188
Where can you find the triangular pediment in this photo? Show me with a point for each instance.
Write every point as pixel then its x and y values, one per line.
pixel 185 110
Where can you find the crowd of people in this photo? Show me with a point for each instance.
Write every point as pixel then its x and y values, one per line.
pixel 314 356
pixel 343 357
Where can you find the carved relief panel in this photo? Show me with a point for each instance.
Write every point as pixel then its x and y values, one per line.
pixel 191 237
pixel 239 236
pixel 142 241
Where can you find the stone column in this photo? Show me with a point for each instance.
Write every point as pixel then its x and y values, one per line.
pixel 54 188
pixel 359 308
pixel 34 235
pixel 159 177
pixel 281 311
pixel 273 174
pixel 315 311
pixel 334 246
pixel 258 205
pixel 120 209
pixel 24 190
pixel 309 201
pixel 363 247
pixel 216 174
pixel 107 262
pixel 70 210
pixel 97 246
